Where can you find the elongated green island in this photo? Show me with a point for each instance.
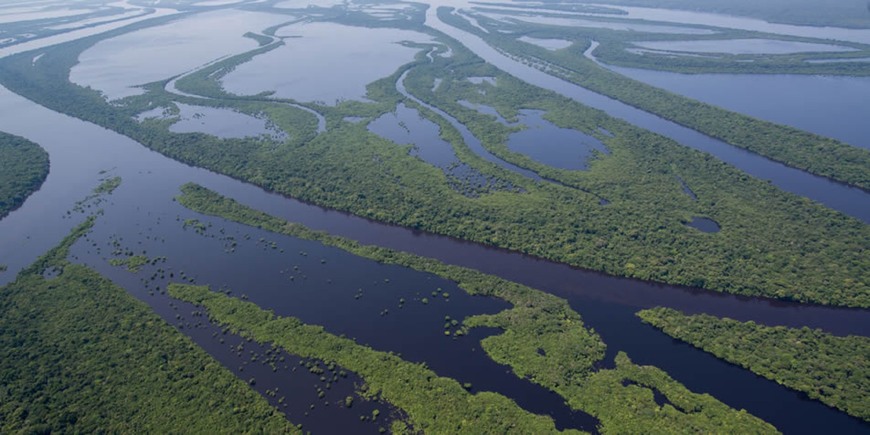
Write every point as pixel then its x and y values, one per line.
pixel 543 340
pixel 80 355
pixel 834 370
pixel 812 153
pixel 786 247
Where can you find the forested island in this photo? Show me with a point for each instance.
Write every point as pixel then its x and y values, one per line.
pixel 474 217
pixel 79 354
pixel 23 167
pixel 828 368
pixel 639 233
pixel 543 340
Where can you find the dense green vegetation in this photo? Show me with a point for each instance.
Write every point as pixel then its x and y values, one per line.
pixel 771 244
pixel 812 153
pixel 613 177
pixel 538 320
pixel 23 168
pixel 619 50
pixel 834 370
pixel 433 404
pixel 543 340
pixel 80 355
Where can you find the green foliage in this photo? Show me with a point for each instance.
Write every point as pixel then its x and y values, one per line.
pixel 133 263
pixel 433 404
pixel 834 370
pixel 772 244
pixel 623 398
pixel 537 320
pixel 744 206
pixel 80 355
pixel 23 168
pixel 812 153
pixel 543 340
pixel 618 47
pixel 108 186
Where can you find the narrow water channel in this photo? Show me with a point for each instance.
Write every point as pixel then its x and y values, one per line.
pixel 80 150
pixel 849 200
pixel 472 142
pixel 830 106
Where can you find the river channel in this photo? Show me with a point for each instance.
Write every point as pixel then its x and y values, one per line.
pixel 142 216
pixel 849 200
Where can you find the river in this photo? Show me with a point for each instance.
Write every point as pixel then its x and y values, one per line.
pixel 849 200
pixel 142 215
pixel 834 107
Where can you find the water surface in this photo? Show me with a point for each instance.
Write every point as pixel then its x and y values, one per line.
pixel 607 304
pixel 831 106
pixel 743 46
pixel 596 24
pixel 743 23
pixel 115 66
pixel 299 69
pixel 483 108
pixel 703 224
pixel 549 44
pixel 849 200
pixel 223 123
pixel 546 143
pixel 407 127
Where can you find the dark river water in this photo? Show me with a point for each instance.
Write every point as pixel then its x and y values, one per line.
pixel 142 211
pixel 379 305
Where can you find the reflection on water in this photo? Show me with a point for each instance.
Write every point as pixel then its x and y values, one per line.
pixel 595 24
pixel 608 304
pixel 483 108
pixel 301 4
pixel 223 123
pixel 562 148
pixel 220 122
pixel 549 44
pixel 742 46
pixel 299 69
pixel 835 107
pixel 849 200
pixel 115 65
pixel 743 23
pixel 406 126
pixel 843 60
